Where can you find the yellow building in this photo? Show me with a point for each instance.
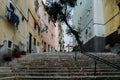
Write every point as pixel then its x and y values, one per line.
pixel 112 21
pixel 34 27
pixel 13 25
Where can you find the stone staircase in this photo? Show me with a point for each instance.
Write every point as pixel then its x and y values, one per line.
pixel 61 66
pixel 6 73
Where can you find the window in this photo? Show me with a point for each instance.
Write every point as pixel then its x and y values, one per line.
pixel 11 16
pixel 80 18
pixel 9 44
pixel 12 8
pixel 80 3
pixel 86 32
pixel 52 36
pixel 34 41
pixel 44 46
pixel 38 30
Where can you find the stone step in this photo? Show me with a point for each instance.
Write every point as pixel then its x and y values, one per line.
pixel 64 65
pixel 5 68
pixel 59 60
pixel 61 67
pixel 8 78
pixel 105 77
pixel 5 71
pixel 67 73
pixel 43 67
pixel 68 69
pixel 6 74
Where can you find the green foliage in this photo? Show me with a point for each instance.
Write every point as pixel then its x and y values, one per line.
pixel 54 11
pixel 78 29
pixel 59 10
pixel 68 31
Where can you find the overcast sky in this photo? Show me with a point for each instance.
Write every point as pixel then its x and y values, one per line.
pixel 67 38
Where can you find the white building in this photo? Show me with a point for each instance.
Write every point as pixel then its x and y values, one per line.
pixel 59 37
pixel 88 15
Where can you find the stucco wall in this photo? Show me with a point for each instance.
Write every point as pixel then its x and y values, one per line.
pixel 35 48
pixel 46 35
pixel 8 31
pixel 111 16
pixel 88 15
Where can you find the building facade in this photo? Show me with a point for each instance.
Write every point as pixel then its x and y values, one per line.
pixel 112 22
pixel 59 42
pixel 88 15
pixel 34 27
pixel 13 26
pixel 48 30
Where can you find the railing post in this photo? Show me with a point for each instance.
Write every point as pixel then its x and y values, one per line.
pixel 95 67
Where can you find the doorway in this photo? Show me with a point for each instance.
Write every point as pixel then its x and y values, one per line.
pixel 30 42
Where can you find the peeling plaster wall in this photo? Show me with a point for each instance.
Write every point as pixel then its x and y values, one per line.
pixel 7 30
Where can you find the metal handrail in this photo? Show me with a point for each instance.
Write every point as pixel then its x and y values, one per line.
pixel 102 60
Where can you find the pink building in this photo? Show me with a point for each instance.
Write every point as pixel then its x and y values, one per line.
pixel 59 38
pixel 47 36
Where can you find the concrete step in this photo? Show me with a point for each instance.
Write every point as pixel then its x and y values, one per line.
pixel 61 67
pixel 5 71
pixel 1 68
pixel 8 78
pixel 66 73
pixel 6 74
pixel 68 77
pixel 66 70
